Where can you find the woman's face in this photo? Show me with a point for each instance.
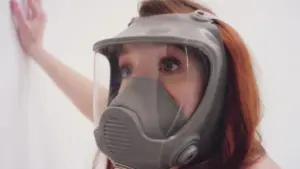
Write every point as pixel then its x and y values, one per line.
pixel 178 73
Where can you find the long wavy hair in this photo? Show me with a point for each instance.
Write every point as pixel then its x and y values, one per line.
pixel 240 142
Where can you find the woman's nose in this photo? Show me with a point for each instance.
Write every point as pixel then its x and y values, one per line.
pixel 146 68
pixel 146 61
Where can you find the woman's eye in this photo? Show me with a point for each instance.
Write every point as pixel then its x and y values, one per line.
pixel 169 65
pixel 125 71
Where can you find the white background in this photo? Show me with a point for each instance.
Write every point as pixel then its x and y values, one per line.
pixel 40 129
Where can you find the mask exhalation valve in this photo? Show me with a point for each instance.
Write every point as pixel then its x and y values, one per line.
pixel 187 155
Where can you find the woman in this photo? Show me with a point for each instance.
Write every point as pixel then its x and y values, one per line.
pixel 240 145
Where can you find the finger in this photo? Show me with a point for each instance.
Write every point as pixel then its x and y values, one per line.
pixel 27 11
pixel 39 2
pixel 33 8
pixel 19 19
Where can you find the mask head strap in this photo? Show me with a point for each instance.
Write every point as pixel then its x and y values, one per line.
pixel 200 15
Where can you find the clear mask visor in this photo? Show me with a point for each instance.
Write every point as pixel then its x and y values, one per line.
pixel 162 83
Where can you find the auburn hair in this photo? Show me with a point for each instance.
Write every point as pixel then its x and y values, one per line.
pixel 240 144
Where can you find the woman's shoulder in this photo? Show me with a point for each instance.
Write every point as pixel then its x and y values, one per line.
pixel 264 162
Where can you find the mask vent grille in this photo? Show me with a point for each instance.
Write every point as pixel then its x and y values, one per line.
pixel 117 136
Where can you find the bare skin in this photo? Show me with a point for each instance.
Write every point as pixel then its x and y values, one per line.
pixel 30 28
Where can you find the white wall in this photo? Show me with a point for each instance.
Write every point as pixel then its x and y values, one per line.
pixel 41 129
pixel 13 87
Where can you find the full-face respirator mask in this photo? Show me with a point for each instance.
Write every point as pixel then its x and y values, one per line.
pixel 167 76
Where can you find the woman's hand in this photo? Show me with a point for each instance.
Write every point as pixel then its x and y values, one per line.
pixel 30 25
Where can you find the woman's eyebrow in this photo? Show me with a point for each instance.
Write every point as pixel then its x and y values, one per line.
pixel 176 49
